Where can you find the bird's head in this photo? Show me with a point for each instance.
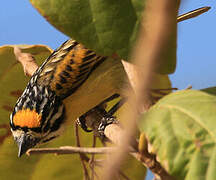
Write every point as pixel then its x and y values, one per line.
pixel 38 117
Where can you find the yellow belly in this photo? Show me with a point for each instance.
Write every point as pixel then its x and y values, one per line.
pixel 106 80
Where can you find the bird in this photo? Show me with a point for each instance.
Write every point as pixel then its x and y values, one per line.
pixel 70 82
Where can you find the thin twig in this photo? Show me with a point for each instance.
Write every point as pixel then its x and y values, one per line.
pixel 92 164
pixel 83 157
pixel 192 14
pixel 72 150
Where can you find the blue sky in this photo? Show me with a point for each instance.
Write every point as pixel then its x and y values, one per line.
pixel 196 53
pixel 196 48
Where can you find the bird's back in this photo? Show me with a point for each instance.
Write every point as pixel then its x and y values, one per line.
pixel 67 68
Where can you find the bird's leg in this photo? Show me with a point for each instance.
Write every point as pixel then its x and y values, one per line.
pixel 107 117
pixel 99 109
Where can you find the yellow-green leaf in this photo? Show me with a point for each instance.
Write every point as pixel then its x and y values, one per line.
pixel 107 27
pixel 181 129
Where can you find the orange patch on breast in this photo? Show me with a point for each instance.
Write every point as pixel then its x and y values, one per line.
pixel 27 118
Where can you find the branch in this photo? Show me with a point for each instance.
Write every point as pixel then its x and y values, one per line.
pixel 72 150
pixel 193 14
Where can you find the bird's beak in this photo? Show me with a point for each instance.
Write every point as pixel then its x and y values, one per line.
pixel 24 143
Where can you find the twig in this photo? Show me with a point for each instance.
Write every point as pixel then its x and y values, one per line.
pixel 193 14
pixel 27 60
pixel 72 150
pixel 83 157
pixel 92 164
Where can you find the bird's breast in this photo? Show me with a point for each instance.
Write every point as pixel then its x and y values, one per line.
pixel 106 80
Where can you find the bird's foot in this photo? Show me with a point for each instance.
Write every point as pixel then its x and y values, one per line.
pixel 105 121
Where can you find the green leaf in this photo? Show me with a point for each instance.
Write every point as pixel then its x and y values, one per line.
pixel 94 23
pixel 107 27
pixel 181 129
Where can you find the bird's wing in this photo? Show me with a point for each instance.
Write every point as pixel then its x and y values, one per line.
pixel 67 68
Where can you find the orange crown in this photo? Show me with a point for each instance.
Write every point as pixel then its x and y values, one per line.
pixel 27 118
